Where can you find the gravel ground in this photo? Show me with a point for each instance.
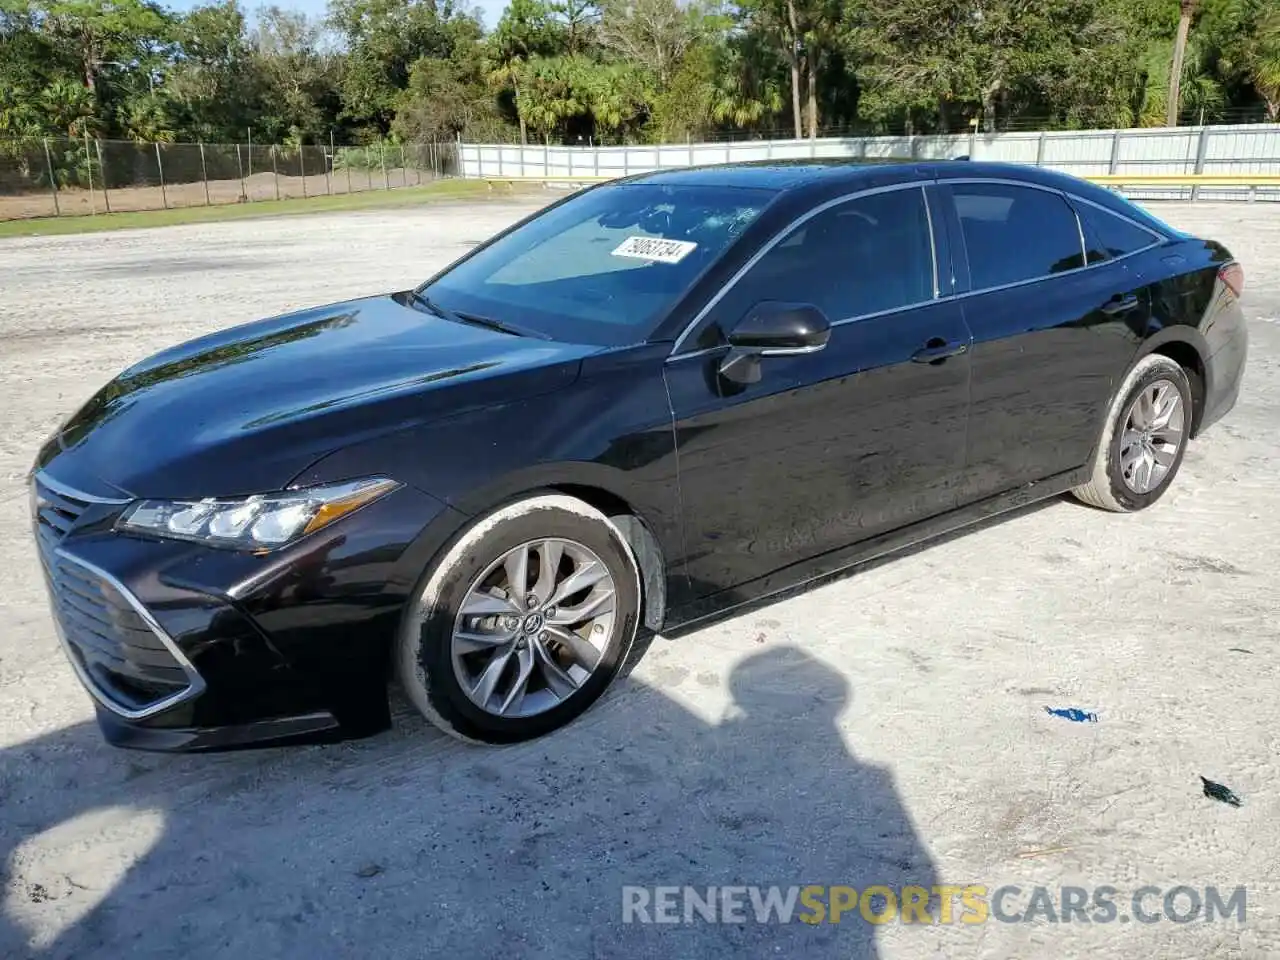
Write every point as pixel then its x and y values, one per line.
pixel 887 728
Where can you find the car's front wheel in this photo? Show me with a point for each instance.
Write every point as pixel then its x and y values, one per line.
pixel 1144 438
pixel 523 623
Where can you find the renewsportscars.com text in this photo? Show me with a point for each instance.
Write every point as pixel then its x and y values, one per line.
pixel 943 904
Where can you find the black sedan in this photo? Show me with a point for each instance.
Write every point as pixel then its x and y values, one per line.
pixel 650 402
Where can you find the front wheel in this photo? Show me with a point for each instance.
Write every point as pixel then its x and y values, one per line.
pixel 523 623
pixel 1144 438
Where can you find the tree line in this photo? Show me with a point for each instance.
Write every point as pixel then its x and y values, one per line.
pixel 627 70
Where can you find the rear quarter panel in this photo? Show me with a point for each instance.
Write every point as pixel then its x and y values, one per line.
pixel 1190 305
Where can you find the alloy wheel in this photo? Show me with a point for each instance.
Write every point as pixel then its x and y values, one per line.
pixel 533 627
pixel 1152 436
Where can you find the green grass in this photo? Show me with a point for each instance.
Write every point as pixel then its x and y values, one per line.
pixel 399 197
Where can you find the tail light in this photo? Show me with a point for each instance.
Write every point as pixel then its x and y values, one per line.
pixel 1232 277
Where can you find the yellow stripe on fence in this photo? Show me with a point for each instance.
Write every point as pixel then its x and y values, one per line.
pixel 1102 179
pixel 1188 179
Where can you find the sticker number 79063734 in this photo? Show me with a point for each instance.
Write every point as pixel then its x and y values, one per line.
pixel 655 248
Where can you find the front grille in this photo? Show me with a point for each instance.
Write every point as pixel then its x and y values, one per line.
pixel 109 639
pixel 122 658
pixel 55 514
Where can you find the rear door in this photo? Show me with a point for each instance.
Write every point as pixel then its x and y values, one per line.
pixel 858 438
pixel 1051 331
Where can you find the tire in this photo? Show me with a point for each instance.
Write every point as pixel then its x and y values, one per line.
pixel 429 665
pixel 1108 487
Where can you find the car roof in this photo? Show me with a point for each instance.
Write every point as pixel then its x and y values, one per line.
pixel 813 180
pixel 791 175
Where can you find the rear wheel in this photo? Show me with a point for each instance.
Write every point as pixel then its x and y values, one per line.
pixel 1144 438
pixel 523 623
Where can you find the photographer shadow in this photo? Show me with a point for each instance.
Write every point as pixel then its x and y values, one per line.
pixel 412 844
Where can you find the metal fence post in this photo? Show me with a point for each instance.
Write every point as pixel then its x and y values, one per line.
pixel 102 171
pixel 302 165
pixel 1040 150
pixel 164 197
pixel 1202 148
pixel 546 158
pixel 275 171
pixel 204 175
pixel 333 160
pixel 53 181
pixel 328 181
pixel 382 154
pixel 88 164
pixel 244 194
pixel 1115 153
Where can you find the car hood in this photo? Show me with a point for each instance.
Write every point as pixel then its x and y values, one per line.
pixel 247 409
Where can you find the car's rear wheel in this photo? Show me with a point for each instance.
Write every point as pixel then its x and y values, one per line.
pixel 523 623
pixel 1144 438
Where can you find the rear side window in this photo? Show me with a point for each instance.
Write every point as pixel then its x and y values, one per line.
pixel 1108 236
pixel 1015 233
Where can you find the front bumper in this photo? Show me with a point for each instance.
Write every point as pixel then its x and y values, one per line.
pixel 187 647
pixel 318 727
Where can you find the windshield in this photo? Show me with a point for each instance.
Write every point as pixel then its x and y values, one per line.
pixel 604 267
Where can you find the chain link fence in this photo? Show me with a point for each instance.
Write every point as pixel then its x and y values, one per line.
pixel 53 177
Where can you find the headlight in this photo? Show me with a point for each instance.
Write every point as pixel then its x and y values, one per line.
pixel 266 520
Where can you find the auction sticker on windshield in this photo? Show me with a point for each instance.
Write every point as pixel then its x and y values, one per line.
pixel 655 248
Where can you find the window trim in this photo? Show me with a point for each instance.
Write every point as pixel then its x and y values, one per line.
pixel 1068 198
pixel 998 181
pixel 790 228
pixel 1157 238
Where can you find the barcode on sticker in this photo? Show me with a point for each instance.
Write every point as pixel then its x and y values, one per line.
pixel 655 248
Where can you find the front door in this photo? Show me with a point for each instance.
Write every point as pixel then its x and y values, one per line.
pixel 836 446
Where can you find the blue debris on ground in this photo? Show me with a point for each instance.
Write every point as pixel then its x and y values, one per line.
pixel 1074 714
pixel 1216 791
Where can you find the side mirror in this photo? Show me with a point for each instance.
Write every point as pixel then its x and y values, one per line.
pixel 773 329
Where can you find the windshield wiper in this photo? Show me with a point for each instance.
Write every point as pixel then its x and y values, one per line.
pixel 465 318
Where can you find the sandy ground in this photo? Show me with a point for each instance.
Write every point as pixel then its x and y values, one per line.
pixel 888 728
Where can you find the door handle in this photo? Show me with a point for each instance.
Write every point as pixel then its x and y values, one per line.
pixel 1118 305
pixel 937 349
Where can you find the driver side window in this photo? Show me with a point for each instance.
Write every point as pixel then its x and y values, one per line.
pixel 868 255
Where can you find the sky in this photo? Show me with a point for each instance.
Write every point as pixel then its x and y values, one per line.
pixel 490 10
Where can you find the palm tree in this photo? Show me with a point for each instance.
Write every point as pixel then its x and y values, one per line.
pixel 1188 9
pixel 507 73
pixel 737 96
pixel 68 106
pixel 549 95
pixel 1198 88
pixel 1265 63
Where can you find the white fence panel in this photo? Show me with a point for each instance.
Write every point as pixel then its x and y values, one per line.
pixel 1228 150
